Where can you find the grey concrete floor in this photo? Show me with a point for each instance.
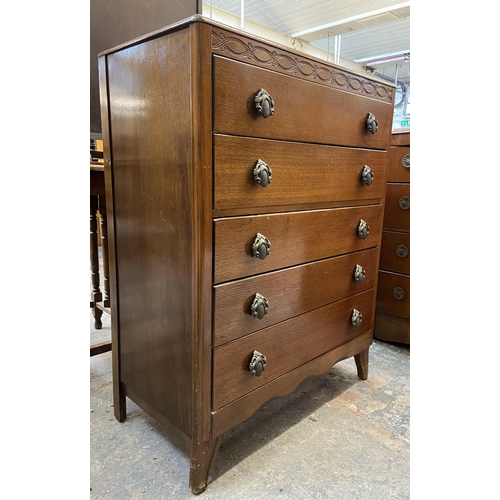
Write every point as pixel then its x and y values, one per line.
pixel 334 437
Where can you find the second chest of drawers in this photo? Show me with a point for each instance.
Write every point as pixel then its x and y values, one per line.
pixel 247 215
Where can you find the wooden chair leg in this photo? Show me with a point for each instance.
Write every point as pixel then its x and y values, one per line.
pixel 104 247
pixel 96 295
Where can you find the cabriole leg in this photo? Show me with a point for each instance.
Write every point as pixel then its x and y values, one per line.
pixel 361 360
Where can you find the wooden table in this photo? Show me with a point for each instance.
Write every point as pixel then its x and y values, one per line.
pixel 99 301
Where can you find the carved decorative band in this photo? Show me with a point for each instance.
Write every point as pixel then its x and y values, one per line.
pixel 237 48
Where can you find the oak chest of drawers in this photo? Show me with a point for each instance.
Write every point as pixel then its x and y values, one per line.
pixel 392 318
pixel 246 185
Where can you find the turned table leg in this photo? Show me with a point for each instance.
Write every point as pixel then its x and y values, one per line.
pixel 94 264
pixel 104 247
pixel 202 459
pixel 361 360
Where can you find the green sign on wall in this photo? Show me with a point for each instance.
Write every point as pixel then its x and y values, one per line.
pixel 404 123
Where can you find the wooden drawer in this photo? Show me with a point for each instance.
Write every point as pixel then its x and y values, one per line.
pixel 295 238
pixel 303 111
pixel 301 173
pixel 320 283
pixel 287 345
pixel 397 206
pixel 393 295
pixel 396 161
pixel 395 252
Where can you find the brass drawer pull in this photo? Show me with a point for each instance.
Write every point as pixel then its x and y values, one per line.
pixel 404 202
pixel 367 175
pixel 398 293
pixel 372 123
pixel 402 251
pixel 264 103
pixel 363 229
pixel 359 274
pixel 257 364
pixel 261 247
pixel 259 306
pixel 406 161
pixel 262 173
pixel 356 318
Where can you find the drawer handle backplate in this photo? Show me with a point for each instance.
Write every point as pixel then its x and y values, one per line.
pixel 404 202
pixel 261 247
pixel 372 123
pixel 262 173
pixel 367 175
pixel 406 161
pixel 257 364
pixel 259 306
pixel 398 293
pixel 402 251
pixel 264 103
pixel 359 274
pixel 356 318
pixel 363 229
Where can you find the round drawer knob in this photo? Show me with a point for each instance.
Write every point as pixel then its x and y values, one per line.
pixel 261 247
pixel 406 161
pixel 262 173
pixel 367 175
pixel 264 103
pixel 372 123
pixel 401 251
pixel 356 318
pixel 363 229
pixel 257 364
pixel 404 202
pixel 259 306
pixel 359 274
pixel 398 293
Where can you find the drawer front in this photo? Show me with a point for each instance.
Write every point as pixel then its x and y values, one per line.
pixel 395 252
pixel 398 165
pixel 397 206
pixel 301 173
pixel 320 283
pixel 393 293
pixel 287 345
pixel 303 111
pixel 294 238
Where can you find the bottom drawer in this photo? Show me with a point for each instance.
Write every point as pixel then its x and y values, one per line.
pixel 287 345
pixel 393 295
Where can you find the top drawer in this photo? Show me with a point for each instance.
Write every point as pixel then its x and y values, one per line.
pixel 303 111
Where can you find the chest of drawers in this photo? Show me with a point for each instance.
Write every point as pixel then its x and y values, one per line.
pixel 246 185
pixel 392 319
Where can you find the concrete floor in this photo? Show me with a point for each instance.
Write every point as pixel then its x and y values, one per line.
pixel 334 437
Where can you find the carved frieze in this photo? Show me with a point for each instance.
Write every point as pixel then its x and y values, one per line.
pixel 239 47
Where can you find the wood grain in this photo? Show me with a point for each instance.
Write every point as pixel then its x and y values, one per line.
pixel 301 173
pixel 290 292
pixel 296 238
pixel 396 172
pixel 386 301
pixel 287 345
pixel 389 259
pixel 304 111
pixel 396 217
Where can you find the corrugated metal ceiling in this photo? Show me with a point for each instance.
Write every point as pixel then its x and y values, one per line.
pixel 369 29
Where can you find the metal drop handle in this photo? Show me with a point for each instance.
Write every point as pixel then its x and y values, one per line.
pixel 257 364
pixel 372 123
pixel 261 247
pixel 363 229
pixel 367 175
pixel 264 103
pixel 262 173
pixel 359 274
pixel 356 318
pixel 259 306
